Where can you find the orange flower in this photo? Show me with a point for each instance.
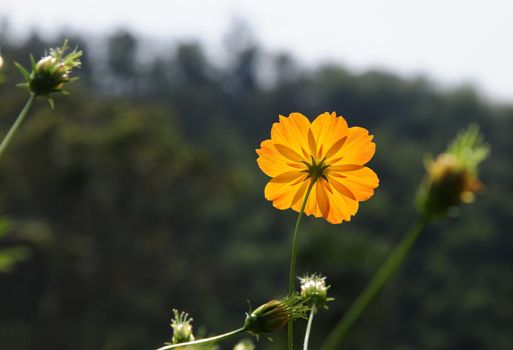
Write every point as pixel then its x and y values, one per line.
pixel 326 152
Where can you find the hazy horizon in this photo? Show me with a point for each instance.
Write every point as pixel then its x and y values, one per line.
pixel 454 43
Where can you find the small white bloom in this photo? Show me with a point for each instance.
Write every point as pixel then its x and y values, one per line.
pixel 314 288
pixel 182 328
pixel 245 344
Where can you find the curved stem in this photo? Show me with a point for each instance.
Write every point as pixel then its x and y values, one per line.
pixel 374 286
pixel 309 326
pixel 205 340
pixel 293 255
pixel 17 123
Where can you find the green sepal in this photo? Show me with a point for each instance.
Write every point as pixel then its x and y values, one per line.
pixel 23 71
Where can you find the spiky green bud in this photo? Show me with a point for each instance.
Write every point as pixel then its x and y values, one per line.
pixel 314 289
pixel 52 71
pixel 275 314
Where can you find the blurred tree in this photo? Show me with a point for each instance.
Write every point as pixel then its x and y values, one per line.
pixel 243 56
pixel 191 67
pixel 134 204
pixel 122 61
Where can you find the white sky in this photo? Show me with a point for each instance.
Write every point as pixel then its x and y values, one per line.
pixel 453 41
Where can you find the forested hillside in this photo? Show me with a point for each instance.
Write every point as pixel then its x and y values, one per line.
pixel 140 193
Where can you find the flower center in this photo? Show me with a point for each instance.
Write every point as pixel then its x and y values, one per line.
pixel 316 169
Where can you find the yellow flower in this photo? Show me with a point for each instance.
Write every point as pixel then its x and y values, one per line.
pixel 327 152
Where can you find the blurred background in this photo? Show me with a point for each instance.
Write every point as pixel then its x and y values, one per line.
pixel 140 192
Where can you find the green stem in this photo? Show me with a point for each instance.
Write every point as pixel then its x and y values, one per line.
pixel 205 340
pixel 374 286
pixel 309 326
pixel 17 123
pixel 293 256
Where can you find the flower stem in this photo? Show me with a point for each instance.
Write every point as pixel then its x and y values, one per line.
pixel 293 256
pixel 309 326
pixel 17 123
pixel 205 340
pixel 374 286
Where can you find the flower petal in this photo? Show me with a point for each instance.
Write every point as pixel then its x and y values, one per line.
pixel 297 201
pixel 328 129
pixel 358 149
pixel 283 193
pixel 322 198
pixel 288 177
pixel 335 148
pixel 341 188
pixel 360 182
pixel 272 162
pixel 291 131
pixel 349 206
pixel 288 153
pixel 311 205
pixel 312 144
pixel 344 167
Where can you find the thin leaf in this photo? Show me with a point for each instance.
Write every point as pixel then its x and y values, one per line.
pixel 23 71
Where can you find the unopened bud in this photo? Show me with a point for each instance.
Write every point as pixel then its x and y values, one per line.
pixel 314 289
pixel 452 176
pixel 51 72
pixel 274 315
pixel 182 328
pixel 245 344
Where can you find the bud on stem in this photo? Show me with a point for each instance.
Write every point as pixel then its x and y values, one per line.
pixel 50 73
pixel 452 176
pixel 275 314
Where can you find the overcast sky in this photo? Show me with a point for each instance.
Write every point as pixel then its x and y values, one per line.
pixel 452 41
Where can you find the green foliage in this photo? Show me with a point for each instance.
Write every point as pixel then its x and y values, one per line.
pixel 10 255
pixel 469 149
pixel 140 193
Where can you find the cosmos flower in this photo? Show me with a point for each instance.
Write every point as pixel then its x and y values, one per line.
pixel 327 156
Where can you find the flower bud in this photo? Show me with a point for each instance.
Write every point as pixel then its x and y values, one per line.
pixel 51 72
pixel 314 289
pixel 245 344
pixel 274 315
pixel 182 328
pixel 452 177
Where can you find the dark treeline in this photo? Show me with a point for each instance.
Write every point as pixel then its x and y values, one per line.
pixel 140 193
